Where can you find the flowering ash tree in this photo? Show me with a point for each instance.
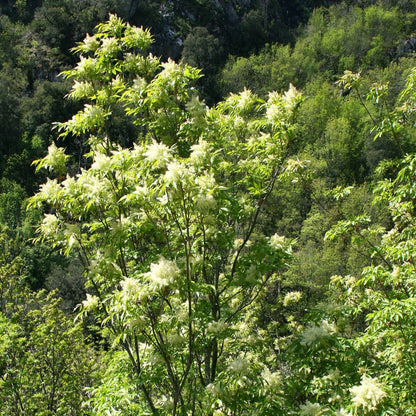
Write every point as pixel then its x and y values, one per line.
pixel 167 229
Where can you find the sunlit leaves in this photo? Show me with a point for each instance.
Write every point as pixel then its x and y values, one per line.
pixel 55 160
pixel 349 80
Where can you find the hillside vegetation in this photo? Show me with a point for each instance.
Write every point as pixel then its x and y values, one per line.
pixel 206 208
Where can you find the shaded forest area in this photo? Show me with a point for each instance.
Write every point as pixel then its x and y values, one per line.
pixel 156 218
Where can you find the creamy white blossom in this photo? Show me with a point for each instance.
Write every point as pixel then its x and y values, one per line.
pixel 166 403
pixel 81 90
pixel 141 192
pixel 214 390
pixel 170 71
pixel 96 190
pixel 206 182
pixel 176 340
pixel 239 365
pixel 278 242
pixel 109 46
pixel 131 287
pixel 163 274
pixel 272 379
pixel 390 236
pixel 368 394
pixel 56 158
pixel 177 173
pixel 310 409
pixel 200 153
pixel 246 99
pixel 50 190
pixel 91 43
pixel 50 225
pixel 292 297
pixel 294 165
pixel 158 154
pixel 274 113
pixel 216 327
pixel 334 375
pixel 237 243
pixel 101 163
pixel 279 106
pixel 91 302
pixel 206 203
pixel 316 332
pixel 137 323
pixel 86 66
pixel 342 412
pixel 117 83
pixel 137 90
pixel 291 98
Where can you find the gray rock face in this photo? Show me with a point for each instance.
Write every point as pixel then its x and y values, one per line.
pixel 407 47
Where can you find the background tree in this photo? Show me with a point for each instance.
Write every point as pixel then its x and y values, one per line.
pixel 45 363
pixel 370 328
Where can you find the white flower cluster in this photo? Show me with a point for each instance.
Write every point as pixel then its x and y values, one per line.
pixel 291 97
pixel 166 403
pixel 141 192
pixel 158 154
pixel 131 288
pixel 274 110
pixel 86 66
pixel 201 152
pixel 102 163
pixel 279 106
pixel 177 173
pixel 135 93
pixel 93 115
pixel 273 380
pixel 246 100
pixel 294 165
pixel 390 236
pixel 176 340
pixel 137 323
pixel 117 83
pixel 109 46
pixel 206 182
pixel 239 365
pixel 50 190
pixel 315 332
pixel 91 43
pixel 214 390
pixel 342 412
pixel 163 274
pixel 96 190
pixel 310 409
pixel 91 302
pixel 292 297
pixel 277 242
pixel 216 327
pixel 50 225
pixel 368 394
pixel 56 158
pixel 81 90
pixel 170 71
pixel 136 37
pixel 206 203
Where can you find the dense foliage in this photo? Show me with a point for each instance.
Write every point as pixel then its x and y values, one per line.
pixel 223 242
